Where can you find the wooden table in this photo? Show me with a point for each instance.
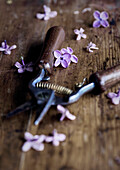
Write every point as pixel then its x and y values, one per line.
pixel 93 138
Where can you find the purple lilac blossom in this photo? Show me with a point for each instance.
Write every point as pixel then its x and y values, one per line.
pixel 35 142
pixel 63 59
pixel 91 46
pixel 80 34
pixel 6 48
pixel 65 113
pixel 69 50
pixel 24 67
pixel 101 19
pixel 48 13
pixel 56 138
pixel 115 97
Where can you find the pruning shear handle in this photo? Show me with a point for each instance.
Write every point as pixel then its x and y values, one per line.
pixel 53 41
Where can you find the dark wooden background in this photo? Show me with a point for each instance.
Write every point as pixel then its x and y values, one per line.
pixel 93 139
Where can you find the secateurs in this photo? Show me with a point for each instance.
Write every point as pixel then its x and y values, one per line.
pixel 44 95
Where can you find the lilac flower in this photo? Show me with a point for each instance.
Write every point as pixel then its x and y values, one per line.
pixel 35 142
pixel 6 48
pixel 65 113
pixel 91 46
pixel 48 13
pixel 63 59
pixel 115 97
pixel 80 33
pixel 101 19
pixel 56 138
pixel 69 50
pixel 22 67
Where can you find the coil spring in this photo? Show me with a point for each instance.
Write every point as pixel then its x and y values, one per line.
pixel 57 88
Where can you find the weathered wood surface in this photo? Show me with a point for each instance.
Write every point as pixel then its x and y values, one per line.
pixel 93 139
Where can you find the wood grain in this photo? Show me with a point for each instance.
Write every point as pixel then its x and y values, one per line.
pixel 93 139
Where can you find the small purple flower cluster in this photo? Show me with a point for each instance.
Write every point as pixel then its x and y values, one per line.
pixel 47 15
pixel 24 67
pixel 64 57
pixel 114 97
pixel 65 113
pixel 37 142
pixel 101 19
pixel 6 49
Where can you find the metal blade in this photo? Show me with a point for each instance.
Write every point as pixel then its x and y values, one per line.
pixel 45 109
pixel 39 77
pixel 85 89
pixel 74 96
pixel 26 106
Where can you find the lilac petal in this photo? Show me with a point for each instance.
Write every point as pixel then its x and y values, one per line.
pixel 118 93
pixel 64 50
pixel 30 69
pixel 7 52
pixel 40 16
pixel 60 108
pixel 76 31
pixel 26 146
pixel 3 44
pixel 66 56
pixel 96 15
pixel 57 62
pixel 115 100
pixel 21 70
pixel 70 50
pixel 49 139
pixel 104 23
pixel 47 17
pixel 104 15
pixel 84 35
pixel 57 54
pixel 70 116
pixel 96 24
pixel 18 65
pixel 94 48
pixel 78 37
pixel 61 137
pixel 2 49
pixel 54 132
pixel 64 63
pixel 41 138
pixel 91 51
pixel 76 12
pixel 53 14
pixel 12 47
pixel 81 30
pixel 28 136
pixel 38 146
pixel 36 137
pixel 7 46
pixel 46 9
pixel 93 45
pixel 56 142
pixel 111 95
pixel 86 9
pixel 74 59
pixel 62 117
